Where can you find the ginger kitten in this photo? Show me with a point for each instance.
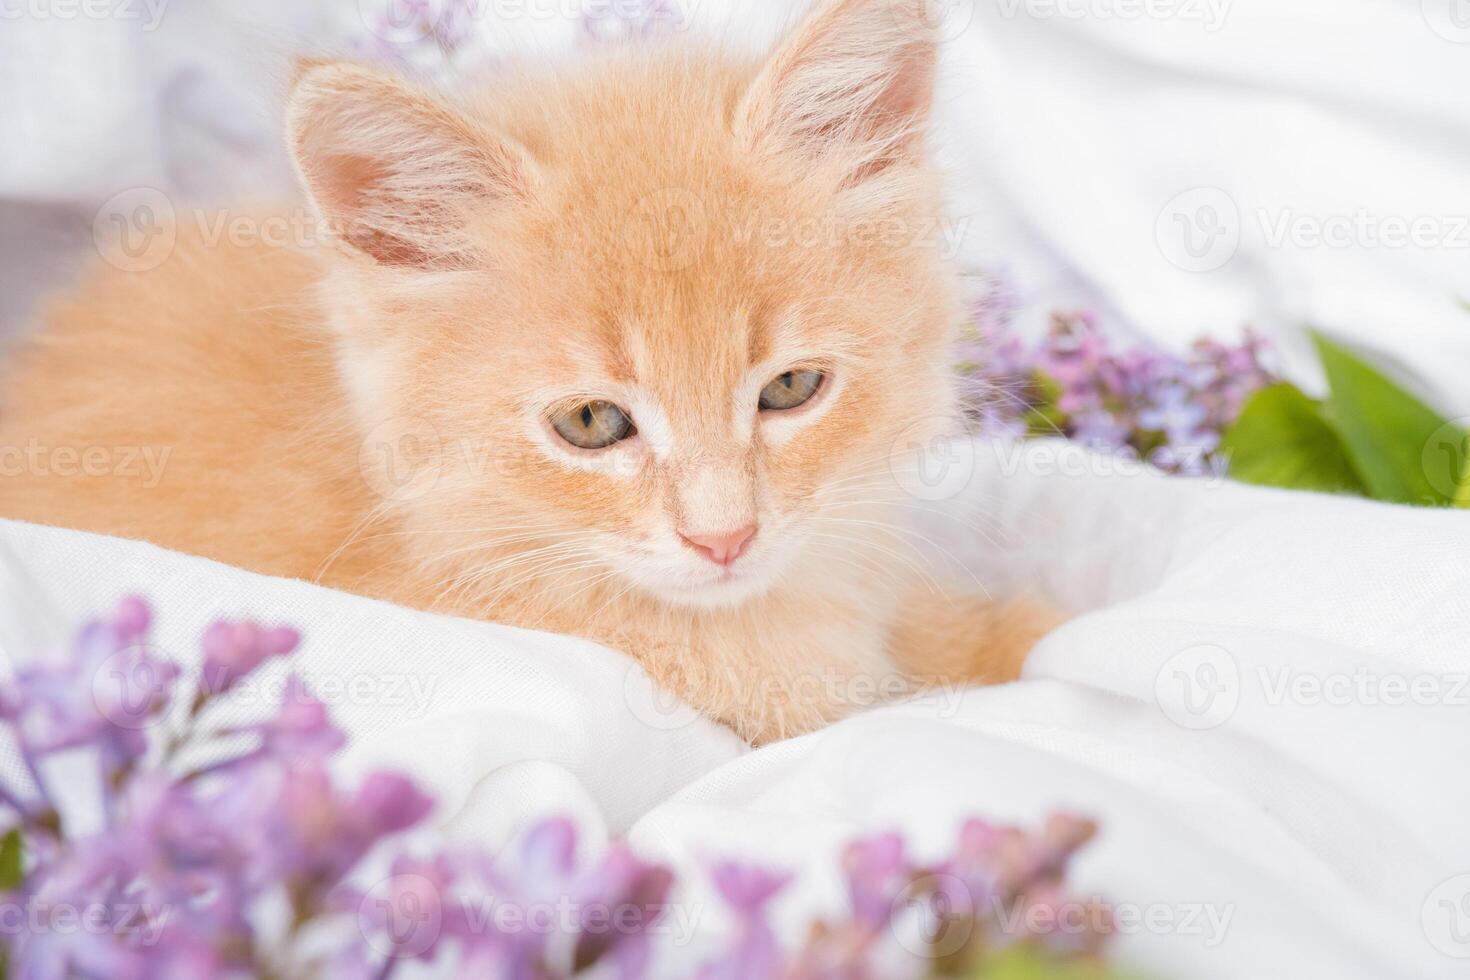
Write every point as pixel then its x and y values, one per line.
pixel 625 354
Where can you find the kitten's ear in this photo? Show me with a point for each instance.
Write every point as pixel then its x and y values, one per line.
pixel 394 172
pixel 852 84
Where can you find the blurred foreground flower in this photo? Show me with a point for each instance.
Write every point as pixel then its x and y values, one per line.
pixel 258 864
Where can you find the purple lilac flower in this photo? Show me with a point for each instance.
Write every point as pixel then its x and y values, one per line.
pixel 109 692
pixel 184 862
pixel 619 20
pixel 753 952
pixel 181 859
pixel 302 729
pixel 996 884
pixel 440 36
pixel 532 911
pixel 234 650
pixel 621 899
pixel 417 34
pixel 408 911
pixel 1139 401
pixel 877 870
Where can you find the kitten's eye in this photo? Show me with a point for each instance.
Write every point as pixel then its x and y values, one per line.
pixel 594 425
pixel 791 390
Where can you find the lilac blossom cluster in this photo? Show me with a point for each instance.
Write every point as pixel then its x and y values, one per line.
pixel 193 860
pixel 620 20
pixel 1000 890
pixel 1171 410
pixel 418 34
pixel 440 35
pixel 231 851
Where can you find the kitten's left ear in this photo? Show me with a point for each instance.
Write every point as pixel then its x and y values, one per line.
pixel 394 172
pixel 853 84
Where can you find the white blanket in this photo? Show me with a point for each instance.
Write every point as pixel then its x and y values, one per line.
pixel 1266 708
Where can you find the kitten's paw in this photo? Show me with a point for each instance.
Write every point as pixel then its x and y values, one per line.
pixel 970 639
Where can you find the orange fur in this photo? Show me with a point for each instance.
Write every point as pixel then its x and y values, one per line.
pixel 666 230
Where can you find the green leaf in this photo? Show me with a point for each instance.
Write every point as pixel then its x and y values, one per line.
pixel 12 876
pixel 1385 429
pixel 1282 440
pixel 1024 963
pixel 11 872
pixel 1044 422
pixel 1446 460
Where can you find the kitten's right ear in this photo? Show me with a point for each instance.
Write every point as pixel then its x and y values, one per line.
pixel 852 84
pixel 394 172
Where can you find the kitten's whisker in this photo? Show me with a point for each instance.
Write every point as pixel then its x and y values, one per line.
pixel 564 562
pixel 472 576
pixel 374 514
pixel 628 587
pixel 903 504
pixel 851 556
pixel 490 545
pixel 546 566
pixel 1003 390
pixel 907 502
pixel 891 530
pixel 426 562
pixel 595 582
pixel 899 530
pixel 919 571
pixel 547 528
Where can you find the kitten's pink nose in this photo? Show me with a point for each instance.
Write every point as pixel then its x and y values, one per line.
pixel 723 548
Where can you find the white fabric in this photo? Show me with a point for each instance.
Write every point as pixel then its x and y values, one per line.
pixel 1311 831
pixel 1309 134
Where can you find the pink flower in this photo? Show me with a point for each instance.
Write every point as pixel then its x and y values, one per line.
pixel 234 650
pixel 302 729
pixel 753 953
